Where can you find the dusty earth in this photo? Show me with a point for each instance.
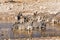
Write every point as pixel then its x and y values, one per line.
pixel 9 10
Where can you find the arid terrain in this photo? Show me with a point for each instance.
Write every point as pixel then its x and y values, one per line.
pixel 27 7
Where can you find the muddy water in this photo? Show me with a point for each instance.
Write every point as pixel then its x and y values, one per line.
pixel 48 32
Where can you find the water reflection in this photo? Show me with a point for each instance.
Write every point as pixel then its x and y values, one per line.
pixel 9 33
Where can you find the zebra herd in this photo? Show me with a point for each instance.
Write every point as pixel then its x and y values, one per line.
pixel 31 20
